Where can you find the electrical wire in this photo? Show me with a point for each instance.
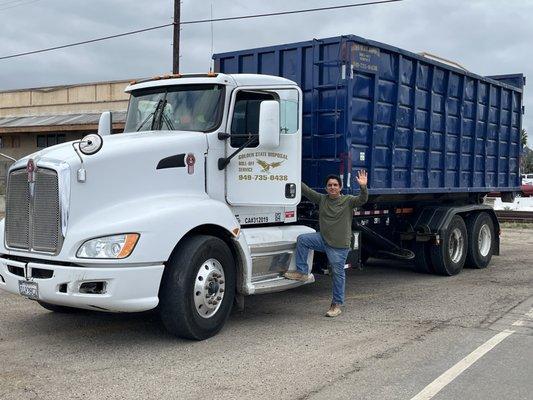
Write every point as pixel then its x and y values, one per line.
pixel 369 3
pixel 200 21
pixel 86 41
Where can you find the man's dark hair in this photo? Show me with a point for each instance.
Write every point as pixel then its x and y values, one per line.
pixel 333 176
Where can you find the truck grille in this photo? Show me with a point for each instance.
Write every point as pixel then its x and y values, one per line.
pixel 33 222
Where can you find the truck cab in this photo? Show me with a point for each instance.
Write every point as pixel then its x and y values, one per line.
pixel 193 205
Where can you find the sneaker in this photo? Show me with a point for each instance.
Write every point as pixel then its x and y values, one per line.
pixel 296 276
pixel 334 311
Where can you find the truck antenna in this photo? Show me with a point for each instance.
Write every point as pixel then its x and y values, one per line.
pixel 211 61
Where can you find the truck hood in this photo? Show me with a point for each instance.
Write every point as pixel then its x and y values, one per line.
pixel 125 143
pixel 128 166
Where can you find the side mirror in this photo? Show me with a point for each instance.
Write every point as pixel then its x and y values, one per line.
pixel 105 125
pixel 269 124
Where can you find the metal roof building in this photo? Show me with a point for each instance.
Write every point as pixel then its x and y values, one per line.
pixel 31 119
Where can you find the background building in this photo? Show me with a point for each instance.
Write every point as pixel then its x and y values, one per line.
pixel 31 119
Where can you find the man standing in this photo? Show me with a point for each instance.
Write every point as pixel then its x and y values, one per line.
pixel 334 238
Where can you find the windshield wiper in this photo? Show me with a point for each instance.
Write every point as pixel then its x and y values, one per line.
pixel 152 114
pixel 167 121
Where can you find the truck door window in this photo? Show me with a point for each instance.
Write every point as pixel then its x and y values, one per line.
pixel 288 110
pixel 245 122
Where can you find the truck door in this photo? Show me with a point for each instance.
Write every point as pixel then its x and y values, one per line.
pixel 260 175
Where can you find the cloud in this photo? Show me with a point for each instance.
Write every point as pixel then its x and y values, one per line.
pixel 487 37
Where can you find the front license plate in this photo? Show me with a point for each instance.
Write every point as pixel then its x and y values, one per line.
pixel 29 290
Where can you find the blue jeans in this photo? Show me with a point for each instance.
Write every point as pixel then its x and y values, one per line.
pixel 336 259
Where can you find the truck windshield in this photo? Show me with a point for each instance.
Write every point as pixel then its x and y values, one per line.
pixel 183 108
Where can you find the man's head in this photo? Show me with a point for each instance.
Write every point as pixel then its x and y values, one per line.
pixel 333 186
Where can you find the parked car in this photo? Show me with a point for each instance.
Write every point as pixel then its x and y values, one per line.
pixel 527 179
pixel 526 190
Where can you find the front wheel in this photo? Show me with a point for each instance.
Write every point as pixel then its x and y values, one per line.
pixel 449 257
pixel 197 288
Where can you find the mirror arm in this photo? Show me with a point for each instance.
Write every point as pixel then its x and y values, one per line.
pixel 223 162
pixel 223 135
pixel 8 157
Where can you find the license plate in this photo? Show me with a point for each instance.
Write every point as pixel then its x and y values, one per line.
pixel 29 290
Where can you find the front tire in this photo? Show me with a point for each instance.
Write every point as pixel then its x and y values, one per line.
pixel 449 257
pixel 481 240
pixel 197 288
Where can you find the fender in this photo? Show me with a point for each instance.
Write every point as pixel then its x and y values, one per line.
pixel 434 220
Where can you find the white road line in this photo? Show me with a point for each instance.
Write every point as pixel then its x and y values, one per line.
pixel 521 322
pixel 438 384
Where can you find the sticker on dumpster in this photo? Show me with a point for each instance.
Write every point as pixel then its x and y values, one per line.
pixel 365 58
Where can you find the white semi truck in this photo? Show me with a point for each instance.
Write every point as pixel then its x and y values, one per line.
pixel 174 213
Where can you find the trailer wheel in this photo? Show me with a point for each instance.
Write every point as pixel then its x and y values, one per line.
pixel 59 309
pixel 422 259
pixel 481 240
pixel 449 257
pixel 197 288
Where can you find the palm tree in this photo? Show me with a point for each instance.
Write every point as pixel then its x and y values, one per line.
pixel 523 138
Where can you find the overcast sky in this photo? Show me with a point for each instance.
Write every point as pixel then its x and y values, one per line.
pixel 488 37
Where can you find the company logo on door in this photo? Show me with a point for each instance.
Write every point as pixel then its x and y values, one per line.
pixel 259 166
pixel 266 166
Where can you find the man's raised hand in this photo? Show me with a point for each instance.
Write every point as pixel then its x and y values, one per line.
pixel 362 177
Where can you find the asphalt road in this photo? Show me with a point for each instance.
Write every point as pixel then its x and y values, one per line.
pixel 399 333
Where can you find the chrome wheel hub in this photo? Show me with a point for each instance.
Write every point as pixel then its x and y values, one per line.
pixel 456 245
pixel 209 288
pixel 484 240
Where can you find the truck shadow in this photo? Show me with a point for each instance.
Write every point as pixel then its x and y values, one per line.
pixel 260 311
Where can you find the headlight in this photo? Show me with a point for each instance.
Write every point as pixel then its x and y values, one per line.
pixel 116 246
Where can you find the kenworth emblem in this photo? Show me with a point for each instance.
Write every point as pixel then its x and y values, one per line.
pixel 30 169
pixel 190 160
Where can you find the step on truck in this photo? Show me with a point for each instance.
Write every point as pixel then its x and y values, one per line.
pixel 198 203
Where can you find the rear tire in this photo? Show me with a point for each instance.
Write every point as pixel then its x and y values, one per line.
pixel 481 240
pixel 201 270
pixel 449 257
pixel 59 309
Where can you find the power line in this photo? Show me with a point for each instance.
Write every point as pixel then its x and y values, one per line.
pixel 86 41
pixel 200 21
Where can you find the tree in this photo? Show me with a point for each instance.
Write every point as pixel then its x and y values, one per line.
pixel 523 138
pixel 527 161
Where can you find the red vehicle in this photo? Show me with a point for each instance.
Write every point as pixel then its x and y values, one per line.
pixel 526 190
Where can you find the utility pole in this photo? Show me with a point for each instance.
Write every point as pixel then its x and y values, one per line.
pixel 176 43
